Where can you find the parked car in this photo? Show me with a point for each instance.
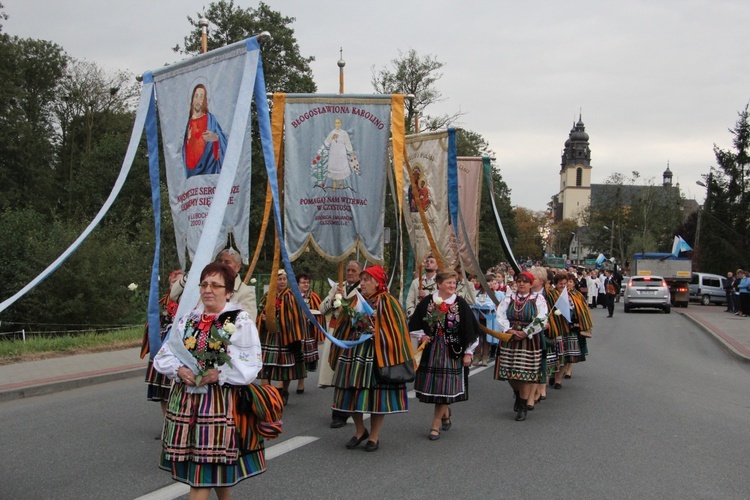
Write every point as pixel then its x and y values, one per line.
pixel 708 289
pixel 646 291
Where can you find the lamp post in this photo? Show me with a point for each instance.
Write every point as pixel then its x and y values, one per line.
pixel 611 238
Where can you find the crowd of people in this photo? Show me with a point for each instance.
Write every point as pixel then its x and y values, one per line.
pixel 214 425
pixel 737 288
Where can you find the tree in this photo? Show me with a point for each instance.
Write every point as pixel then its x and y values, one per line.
pixel 284 67
pixel 724 237
pixel 30 71
pixel 561 234
pixel 630 215
pixel 529 243
pixel 415 75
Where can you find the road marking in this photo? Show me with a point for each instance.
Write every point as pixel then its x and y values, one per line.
pixel 177 490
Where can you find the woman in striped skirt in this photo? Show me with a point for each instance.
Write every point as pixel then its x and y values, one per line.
pixel 450 335
pixel 521 360
pixel 283 358
pixel 201 442
pixel 357 390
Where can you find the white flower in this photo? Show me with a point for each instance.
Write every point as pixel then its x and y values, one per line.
pixel 132 287
pixel 338 296
pixel 438 301
pixel 253 281
pixel 336 303
pixel 558 312
pixel 229 328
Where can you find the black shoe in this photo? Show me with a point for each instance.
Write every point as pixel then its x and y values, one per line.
pixel 446 422
pixel 354 441
pixel 284 396
pixel 434 435
pixel 337 424
pixel 516 407
pixel 529 407
pixel 557 386
pixel 552 381
pixel 372 446
pixel 521 414
pixel 568 376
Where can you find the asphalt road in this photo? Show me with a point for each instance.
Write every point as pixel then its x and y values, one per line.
pixel 659 410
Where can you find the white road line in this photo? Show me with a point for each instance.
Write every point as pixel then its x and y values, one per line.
pixel 179 489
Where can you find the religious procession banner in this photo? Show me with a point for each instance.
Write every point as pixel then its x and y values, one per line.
pixel 335 165
pixel 426 175
pixel 196 101
pixel 470 172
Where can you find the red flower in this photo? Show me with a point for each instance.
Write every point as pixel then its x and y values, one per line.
pixel 443 308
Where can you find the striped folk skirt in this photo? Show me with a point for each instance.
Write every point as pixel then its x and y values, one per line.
pixel 200 443
pixel 356 388
pixel 440 378
pixel 157 384
pixel 523 360
pixel 575 350
pixel 282 362
pixel 555 355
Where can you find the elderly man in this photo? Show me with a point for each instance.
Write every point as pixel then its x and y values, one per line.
pixel 423 286
pixel 325 376
pixel 241 292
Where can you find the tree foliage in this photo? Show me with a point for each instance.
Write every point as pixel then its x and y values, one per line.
pixel 416 75
pixel 560 235
pixel 529 242
pixel 722 225
pixel 630 215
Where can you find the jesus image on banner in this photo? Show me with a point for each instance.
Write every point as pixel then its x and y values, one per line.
pixel 336 158
pixel 205 142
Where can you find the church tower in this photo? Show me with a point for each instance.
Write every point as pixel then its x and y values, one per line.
pixel 575 175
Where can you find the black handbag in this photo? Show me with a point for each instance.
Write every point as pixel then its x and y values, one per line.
pixel 396 374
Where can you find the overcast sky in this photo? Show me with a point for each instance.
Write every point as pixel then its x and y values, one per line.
pixel 657 81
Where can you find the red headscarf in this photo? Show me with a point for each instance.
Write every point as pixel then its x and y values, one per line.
pixel 528 275
pixel 378 274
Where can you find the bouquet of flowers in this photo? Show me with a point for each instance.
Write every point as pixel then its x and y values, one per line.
pixel 359 313
pixel 436 312
pixel 215 352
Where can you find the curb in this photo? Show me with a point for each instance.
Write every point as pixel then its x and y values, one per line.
pixel 73 382
pixel 726 341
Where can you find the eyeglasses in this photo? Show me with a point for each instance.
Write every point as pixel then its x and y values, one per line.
pixel 213 286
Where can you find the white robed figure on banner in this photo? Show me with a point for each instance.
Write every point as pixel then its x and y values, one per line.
pixel 336 157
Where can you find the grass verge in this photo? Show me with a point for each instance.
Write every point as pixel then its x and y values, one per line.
pixel 15 351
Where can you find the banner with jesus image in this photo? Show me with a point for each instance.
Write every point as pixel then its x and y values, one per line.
pixel 335 161
pixel 197 102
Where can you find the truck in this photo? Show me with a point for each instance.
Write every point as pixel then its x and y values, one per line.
pixel 676 271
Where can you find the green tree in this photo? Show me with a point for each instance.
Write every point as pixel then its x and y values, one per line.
pixel 285 69
pixel 529 242
pixel 561 234
pixel 722 226
pixel 415 75
pixel 30 71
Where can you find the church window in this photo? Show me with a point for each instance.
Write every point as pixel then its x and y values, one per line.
pixel 579 176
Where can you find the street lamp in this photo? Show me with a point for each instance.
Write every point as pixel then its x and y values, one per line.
pixel 611 238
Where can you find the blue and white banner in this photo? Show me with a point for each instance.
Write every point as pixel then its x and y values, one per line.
pixel 335 163
pixel 197 102
pixel 679 245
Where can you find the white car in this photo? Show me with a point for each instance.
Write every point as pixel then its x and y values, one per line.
pixel 646 291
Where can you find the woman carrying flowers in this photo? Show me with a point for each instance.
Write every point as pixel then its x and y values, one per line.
pixel 357 388
pixel 520 360
pixel 450 335
pixel 201 444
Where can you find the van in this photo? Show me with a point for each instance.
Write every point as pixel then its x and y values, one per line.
pixel 708 289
